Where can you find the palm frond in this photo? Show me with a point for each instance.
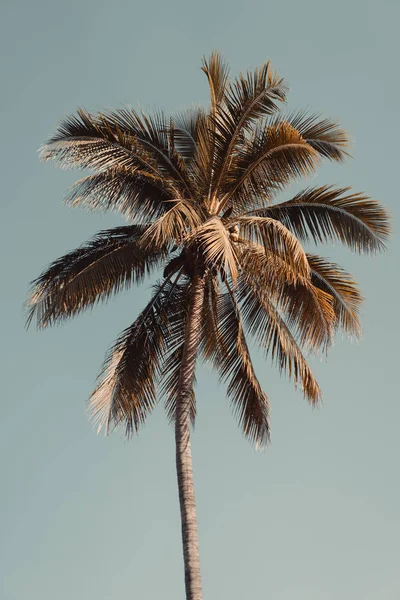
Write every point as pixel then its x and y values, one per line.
pixel 180 220
pixel 275 155
pixel 127 193
pixel 172 361
pixel 247 99
pixel 233 362
pixel 126 392
pixel 324 135
pixel 108 263
pixel 307 309
pixel 328 213
pixel 277 240
pixel 268 326
pixel 215 244
pixel 334 280
pixel 217 72
pixel 155 134
pixel 89 142
pixel 185 126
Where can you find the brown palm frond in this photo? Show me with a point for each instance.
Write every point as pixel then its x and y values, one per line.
pixel 328 213
pixel 85 141
pixel 247 99
pixel 308 310
pixel 154 133
pixel 125 192
pixel 277 240
pixel 108 263
pixel 268 326
pixel 126 392
pixel 215 244
pixel 171 365
pixel 186 126
pixel 275 155
pixel 324 135
pixel 334 280
pixel 217 72
pixel 233 362
pixel 180 220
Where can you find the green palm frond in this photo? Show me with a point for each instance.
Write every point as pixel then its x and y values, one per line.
pixel 108 263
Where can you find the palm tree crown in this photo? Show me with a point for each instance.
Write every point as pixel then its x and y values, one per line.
pixel 198 191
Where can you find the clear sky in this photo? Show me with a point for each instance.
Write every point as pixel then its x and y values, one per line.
pixel 315 516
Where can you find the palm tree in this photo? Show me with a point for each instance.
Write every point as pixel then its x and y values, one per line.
pixel 198 191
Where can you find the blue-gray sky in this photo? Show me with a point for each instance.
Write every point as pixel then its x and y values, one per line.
pixel 316 515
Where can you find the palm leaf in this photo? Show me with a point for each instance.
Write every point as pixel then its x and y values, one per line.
pixel 274 156
pixel 127 193
pixel 277 240
pixel 307 309
pixel 126 392
pixel 273 334
pixel 328 213
pixel 214 242
pixel 232 360
pixel 324 135
pixel 347 300
pixel 108 263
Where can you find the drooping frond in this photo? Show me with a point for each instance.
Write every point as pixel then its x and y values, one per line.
pixel 126 392
pixel 127 193
pixel 172 360
pixel 328 213
pixel 334 280
pixel 307 309
pixel 265 322
pixel 233 362
pixel 108 263
pixel 274 156
pixel 277 240
pixel 215 244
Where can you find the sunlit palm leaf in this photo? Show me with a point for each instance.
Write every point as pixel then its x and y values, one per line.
pixel 124 192
pixel 346 297
pixel 214 241
pixel 308 310
pixel 324 135
pixel 107 264
pixel 328 213
pixel 275 155
pixel 233 362
pixel 268 326
pixel 126 392
pixel 277 241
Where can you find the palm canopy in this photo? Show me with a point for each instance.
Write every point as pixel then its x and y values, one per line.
pixel 198 191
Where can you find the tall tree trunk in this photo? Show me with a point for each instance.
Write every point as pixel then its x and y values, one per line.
pixel 182 439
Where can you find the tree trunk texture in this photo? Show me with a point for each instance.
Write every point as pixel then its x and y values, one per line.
pixel 183 451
